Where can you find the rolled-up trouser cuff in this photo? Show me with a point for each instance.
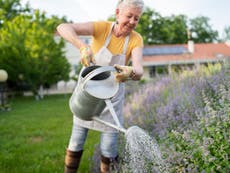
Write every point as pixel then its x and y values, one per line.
pixel 108 145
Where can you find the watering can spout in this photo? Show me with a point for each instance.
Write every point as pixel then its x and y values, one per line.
pixel 119 128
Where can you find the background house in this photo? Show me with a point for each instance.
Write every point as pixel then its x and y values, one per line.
pixel 161 59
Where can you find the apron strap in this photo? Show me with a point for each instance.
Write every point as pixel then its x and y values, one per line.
pixel 126 44
pixel 110 35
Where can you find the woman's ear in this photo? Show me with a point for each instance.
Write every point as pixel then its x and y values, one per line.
pixel 117 15
pixel 117 12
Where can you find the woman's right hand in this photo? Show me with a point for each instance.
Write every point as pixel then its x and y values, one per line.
pixel 86 56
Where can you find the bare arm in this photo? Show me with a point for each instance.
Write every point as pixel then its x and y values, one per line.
pixel 137 63
pixel 71 32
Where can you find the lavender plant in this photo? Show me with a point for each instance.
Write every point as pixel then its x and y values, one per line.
pixel 206 147
pixel 189 113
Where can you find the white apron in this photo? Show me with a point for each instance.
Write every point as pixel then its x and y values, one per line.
pixel 104 58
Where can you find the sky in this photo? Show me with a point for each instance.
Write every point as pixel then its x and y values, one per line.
pixel 87 10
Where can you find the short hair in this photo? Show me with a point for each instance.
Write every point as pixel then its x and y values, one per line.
pixel 131 3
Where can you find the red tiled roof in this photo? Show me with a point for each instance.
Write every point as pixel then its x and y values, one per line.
pixel 203 52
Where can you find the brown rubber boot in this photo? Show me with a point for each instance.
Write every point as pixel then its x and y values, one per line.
pixel 108 164
pixel 72 161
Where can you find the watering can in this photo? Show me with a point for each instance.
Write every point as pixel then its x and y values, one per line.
pixel 96 87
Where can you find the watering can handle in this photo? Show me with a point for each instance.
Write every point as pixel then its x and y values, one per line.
pixel 96 72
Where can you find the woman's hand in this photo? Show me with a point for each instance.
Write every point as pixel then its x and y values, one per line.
pixel 123 73
pixel 86 56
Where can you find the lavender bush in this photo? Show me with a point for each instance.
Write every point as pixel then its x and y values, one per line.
pixel 163 105
pixel 189 115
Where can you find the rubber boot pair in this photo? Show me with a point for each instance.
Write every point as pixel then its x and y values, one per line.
pixel 108 164
pixel 72 161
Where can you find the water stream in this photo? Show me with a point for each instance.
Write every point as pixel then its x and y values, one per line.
pixel 142 154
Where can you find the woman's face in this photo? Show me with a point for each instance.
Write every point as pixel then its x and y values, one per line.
pixel 128 19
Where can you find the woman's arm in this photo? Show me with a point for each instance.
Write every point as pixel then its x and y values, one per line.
pixel 137 63
pixel 71 32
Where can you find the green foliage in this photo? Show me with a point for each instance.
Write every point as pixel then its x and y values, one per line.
pixel 77 72
pixel 157 29
pixel 175 29
pixel 201 30
pixel 29 52
pixel 202 70
pixel 10 9
pixel 226 33
pixel 35 134
pixel 147 24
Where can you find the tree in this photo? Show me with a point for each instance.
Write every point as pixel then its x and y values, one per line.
pixel 201 30
pixel 29 52
pixel 226 33
pixel 146 25
pixel 156 29
pixel 10 9
pixel 175 29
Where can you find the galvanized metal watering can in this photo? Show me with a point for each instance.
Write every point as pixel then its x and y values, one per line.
pixel 95 88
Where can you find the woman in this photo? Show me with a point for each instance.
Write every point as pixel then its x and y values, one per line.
pixel 112 44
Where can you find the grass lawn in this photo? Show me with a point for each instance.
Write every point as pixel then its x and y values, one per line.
pixel 34 136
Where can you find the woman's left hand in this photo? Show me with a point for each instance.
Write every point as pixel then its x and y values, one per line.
pixel 123 72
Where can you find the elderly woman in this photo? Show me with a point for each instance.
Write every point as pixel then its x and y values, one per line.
pixel 113 43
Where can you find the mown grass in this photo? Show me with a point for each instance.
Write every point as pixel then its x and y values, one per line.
pixel 34 136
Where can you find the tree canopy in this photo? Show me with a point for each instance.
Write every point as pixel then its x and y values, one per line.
pixel 29 52
pixel 226 34
pixel 173 29
pixel 201 30
pixel 10 9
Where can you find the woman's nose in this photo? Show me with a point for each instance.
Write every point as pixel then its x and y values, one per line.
pixel 132 21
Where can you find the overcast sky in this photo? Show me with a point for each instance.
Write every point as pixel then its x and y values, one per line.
pixel 85 10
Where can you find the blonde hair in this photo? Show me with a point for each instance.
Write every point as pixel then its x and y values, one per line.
pixel 130 3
